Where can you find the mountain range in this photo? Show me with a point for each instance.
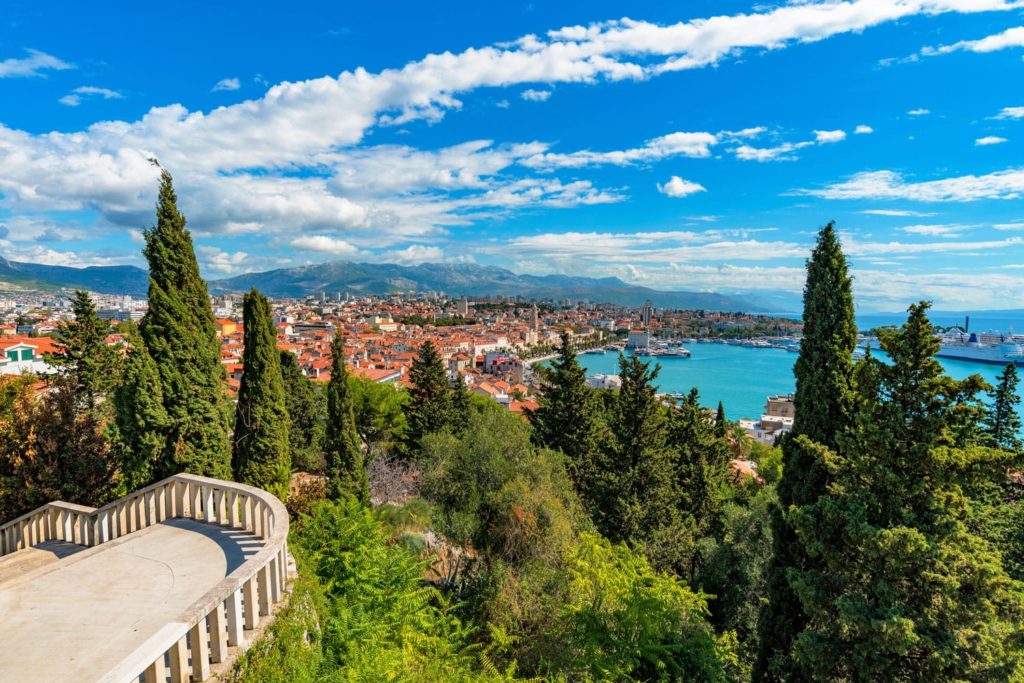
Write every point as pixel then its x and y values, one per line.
pixel 454 279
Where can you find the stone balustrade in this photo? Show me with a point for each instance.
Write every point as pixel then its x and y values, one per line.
pixel 187 646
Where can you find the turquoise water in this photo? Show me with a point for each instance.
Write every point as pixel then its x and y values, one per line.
pixel 741 377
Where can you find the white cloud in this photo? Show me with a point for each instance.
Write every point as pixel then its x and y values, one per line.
pixel 677 187
pixel 414 254
pixel 990 140
pixel 220 262
pixel 536 95
pixel 1012 37
pixel 1009 226
pixel 935 230
pixel 1010 113
pixel 324 244
pixel 226 84
pixel 693 145
pixel 863 130
pixel 1008 184
pixel 919 112
pixel 34 65
pixel 895 212
pixel 74 98
pixel 826 136
pixel 264 165
pixel 783 152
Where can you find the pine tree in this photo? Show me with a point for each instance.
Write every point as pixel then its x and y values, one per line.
pixel 346 470
pixel 638 499
pixel 567 419
pixel 899 588
pixel 824 385
pixel 90 364
pixel 141 424
pixel 703 466
pixel 1002 419
pixel 307 414
pixel 262 454
pixel 179 333
pixel 430 408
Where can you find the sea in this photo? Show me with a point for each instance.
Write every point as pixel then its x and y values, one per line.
pixel 742 377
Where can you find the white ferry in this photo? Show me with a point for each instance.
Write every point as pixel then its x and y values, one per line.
pixel 986 347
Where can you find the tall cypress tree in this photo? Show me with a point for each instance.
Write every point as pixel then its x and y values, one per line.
pixel 567 419
pixel 89 363
pixel 430 408
pixel 721 424
pixel 346 470
pixel 824 392
pixel 1002 421
pixel 261 454
pixel 140 421
pixel 179 334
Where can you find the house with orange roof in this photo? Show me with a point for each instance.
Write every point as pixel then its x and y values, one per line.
pixel 25 355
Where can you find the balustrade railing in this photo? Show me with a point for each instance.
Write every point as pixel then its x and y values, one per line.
pixel 186 647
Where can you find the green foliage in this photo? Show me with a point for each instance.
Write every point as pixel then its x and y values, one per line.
pixel 261 455
pixel 345 466
pixel 624 621
pixel 900 589
pixel 1002 420
pixel 89 363
pixel 379 415
pixel 178 331
pixel 568 419
pixel 497 492
pixel 50 450
pixel 141 423
pixel 382 623
pixel 431 407
pixel 307 415
pixel 823 400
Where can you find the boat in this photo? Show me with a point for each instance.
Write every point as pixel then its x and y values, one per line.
pixel 678 352
pixel 995 348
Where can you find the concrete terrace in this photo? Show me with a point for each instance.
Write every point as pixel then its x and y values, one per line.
pixel 157 585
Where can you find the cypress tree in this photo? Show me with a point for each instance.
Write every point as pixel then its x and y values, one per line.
pixel 899 587
pixel 721 424
pixel 346 471
pixel 179 334
pixel 429 409
pixel 703 464
pixel 261 454
pixel 90 365
pixel 1002 421
pixel 567 419
pixel 824 392
pixel 140 422
pixel 307 414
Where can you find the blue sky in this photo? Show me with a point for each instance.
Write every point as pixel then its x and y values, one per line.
pixel 692 145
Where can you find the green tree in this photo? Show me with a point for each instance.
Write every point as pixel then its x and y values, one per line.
pixel 261 455
pixel 702 469
pixel 567 419
pixel 380 421
pixel 721 424
pixel 307 415
pixel 639 494
pixel 179 334
pixel 1002 420
pixel 88 361
pixel 899 588
pixel 430 408
pixel 824 392
pixel 345 466
pixel 141 423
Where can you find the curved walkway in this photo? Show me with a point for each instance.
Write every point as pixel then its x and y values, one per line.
pixel 73 616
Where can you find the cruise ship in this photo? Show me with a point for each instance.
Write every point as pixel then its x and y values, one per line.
pixel 986 347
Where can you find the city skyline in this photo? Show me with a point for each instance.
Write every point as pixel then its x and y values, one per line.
pixel 671 149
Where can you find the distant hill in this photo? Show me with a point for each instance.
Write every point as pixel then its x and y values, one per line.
pixel 471 280
pixel 103 279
